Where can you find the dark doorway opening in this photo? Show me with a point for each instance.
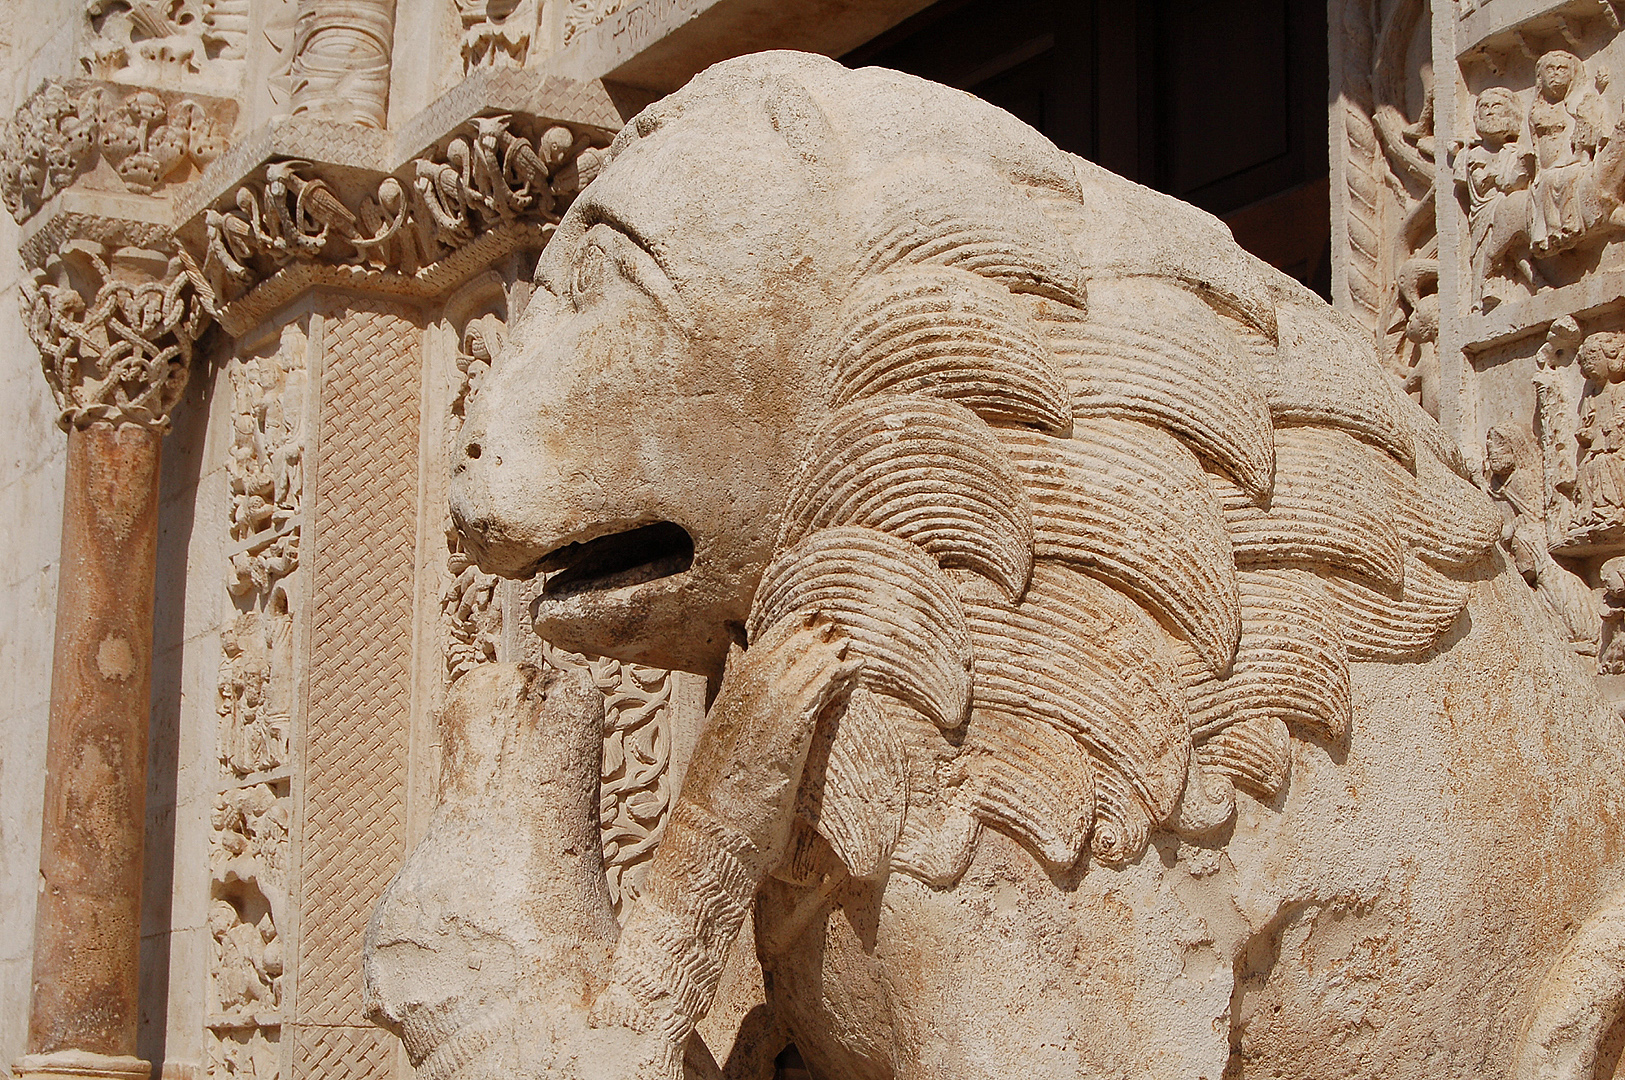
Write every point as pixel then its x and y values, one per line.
pixel 1220 102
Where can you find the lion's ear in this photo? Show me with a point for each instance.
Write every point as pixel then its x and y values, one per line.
pixel 799 119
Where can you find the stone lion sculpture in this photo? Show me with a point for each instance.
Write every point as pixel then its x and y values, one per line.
pixel 1114 674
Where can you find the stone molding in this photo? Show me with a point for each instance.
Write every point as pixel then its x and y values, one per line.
pixel 487 174
pixel 82 1065
pixel 115 332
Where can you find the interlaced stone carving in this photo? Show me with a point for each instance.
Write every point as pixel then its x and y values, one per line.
pixel 115 333
pixel 635 792
pixel 634 800
pixel 488 176
pixel 147 138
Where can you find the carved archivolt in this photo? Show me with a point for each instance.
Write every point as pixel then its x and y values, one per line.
pixel 1392 252
pixel 114 349
pixel 487 176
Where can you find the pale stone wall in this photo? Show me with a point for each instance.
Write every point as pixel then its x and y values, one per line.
pixel 36 40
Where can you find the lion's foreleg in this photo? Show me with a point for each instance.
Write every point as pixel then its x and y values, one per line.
pixel 729 829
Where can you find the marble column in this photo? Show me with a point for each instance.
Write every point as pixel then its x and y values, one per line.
pixel 115 330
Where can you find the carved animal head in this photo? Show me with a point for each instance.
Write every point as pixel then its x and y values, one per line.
pixel 1106 505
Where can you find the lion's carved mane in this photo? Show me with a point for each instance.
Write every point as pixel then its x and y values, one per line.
pixel 1107 531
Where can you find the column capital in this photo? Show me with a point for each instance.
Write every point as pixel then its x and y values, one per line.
pixel 115 329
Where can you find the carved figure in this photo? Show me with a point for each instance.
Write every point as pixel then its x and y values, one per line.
pixel 1495 171
pixel 1545 190
pixel 1419 341
pixel 240 976
pixel 1611 643
pixel 1600 488
pixel 1567 124
pixel 1032 532
pixel 1512 469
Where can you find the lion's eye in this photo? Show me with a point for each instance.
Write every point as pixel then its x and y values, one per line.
pixel 589 272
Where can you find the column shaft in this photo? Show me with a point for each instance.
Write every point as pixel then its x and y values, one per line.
pixel 87 936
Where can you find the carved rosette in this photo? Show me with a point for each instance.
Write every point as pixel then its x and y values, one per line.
pixel 115 333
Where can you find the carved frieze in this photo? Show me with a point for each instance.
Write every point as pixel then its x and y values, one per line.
pixel 173 43
pixel 144 139
pixel 114 331
pixel 487 175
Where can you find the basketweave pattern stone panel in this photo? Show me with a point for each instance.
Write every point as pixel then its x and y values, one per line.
pixel 346 1051
pixel 360 673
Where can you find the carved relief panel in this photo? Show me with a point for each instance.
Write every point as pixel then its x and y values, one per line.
pixel 181 43
pixel 1537 164
pixel 1388 277
pixel 1536 160
pixel 249 847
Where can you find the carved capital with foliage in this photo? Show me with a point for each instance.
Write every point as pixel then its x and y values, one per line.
pixel 109 137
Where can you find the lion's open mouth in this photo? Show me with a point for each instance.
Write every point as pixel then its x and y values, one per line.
pixel 618 560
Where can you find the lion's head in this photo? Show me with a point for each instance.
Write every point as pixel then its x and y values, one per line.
pixel 1107 505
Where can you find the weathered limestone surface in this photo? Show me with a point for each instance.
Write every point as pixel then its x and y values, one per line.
pixel 1116 670
pixel 1103 667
